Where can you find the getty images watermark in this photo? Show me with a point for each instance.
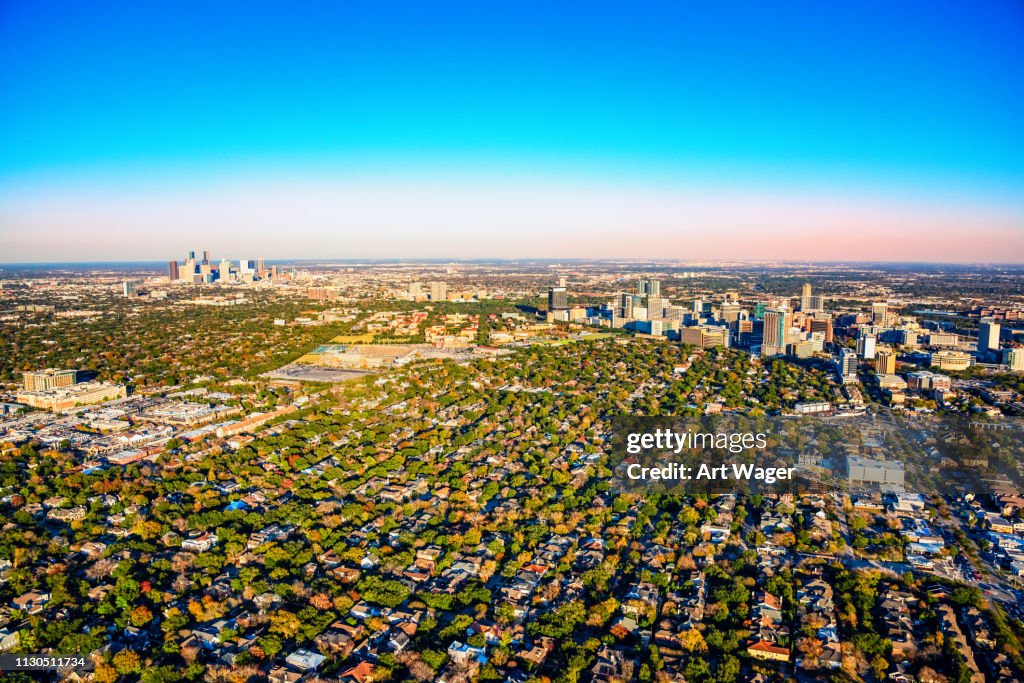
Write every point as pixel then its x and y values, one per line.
pixel 742 454
pixel 663 440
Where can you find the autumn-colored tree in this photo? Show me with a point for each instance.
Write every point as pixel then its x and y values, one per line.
pixel 285 624
pixel 140 616
pixel 692 640
pixel 127 662
pixel 321 601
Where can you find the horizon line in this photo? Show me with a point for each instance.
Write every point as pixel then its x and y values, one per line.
pixel 530 259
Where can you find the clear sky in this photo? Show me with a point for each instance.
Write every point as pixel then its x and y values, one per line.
pixel 811 130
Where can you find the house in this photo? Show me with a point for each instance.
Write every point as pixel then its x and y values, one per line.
pixel 363 672
pixel 762 649
pixel 279 674
pixel 463 653
pixel 8 639
pixel 304 660
pixel 200 543
pixel 362 610
pixel 32 602
pixel 398 641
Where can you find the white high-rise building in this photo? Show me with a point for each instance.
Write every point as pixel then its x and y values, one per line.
pixel 988 335
pixel 866 346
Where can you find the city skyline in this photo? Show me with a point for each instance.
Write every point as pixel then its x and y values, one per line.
pixel 468 132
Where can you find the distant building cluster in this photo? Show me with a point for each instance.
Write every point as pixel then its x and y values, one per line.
pixel 205 271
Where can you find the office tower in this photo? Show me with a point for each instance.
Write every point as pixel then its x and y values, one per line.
pixel 648 287
pixel 847 363
pixel 759 310
pixel 988 335
pixel 698 308
pixel 776 327
pixel 273 272
pixel 206 256
pixel 625 305
pixel 191 256
pixel 438 291
pixel 866 346
pixel 879 313
pixel 260 265
pixel 742 331
pixel 656 306
pixel 823 325
pixel 415 289
pixel 729 313
pixel 673 312
pixel 808 302
pixel 127 289
pixel 558 299
pixel 885 362
pixel 1015 359
pixel 172 271
pixel 44 380
pixel 562 282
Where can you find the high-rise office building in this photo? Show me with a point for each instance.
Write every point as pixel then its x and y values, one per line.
pixel 808 302
pixel 128 289
pixel 866 346
pixel 729 313
pixel 1015 359
pixel 988 335
pixel 51 378
pixel 648 288
pixel 879 313
pixel 260 265
pixel 438 291
pixel 776 329
pixel 742 331
pixel 191 256
pixel 885 362
pixel 172 271
pixel 206 256
pixel 822 324
pixel 656 306
pixel 558 299
pixel 847 363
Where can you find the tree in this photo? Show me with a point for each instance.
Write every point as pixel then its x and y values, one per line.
pixel 140 616
pixel 692 640
pixel 127 662
pixel 285 623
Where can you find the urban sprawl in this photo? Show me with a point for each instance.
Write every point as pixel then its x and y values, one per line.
pixel 220 470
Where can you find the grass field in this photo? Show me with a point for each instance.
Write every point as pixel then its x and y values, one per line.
pixel 366 338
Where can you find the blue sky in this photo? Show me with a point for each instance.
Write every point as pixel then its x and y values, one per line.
pixel 867 100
